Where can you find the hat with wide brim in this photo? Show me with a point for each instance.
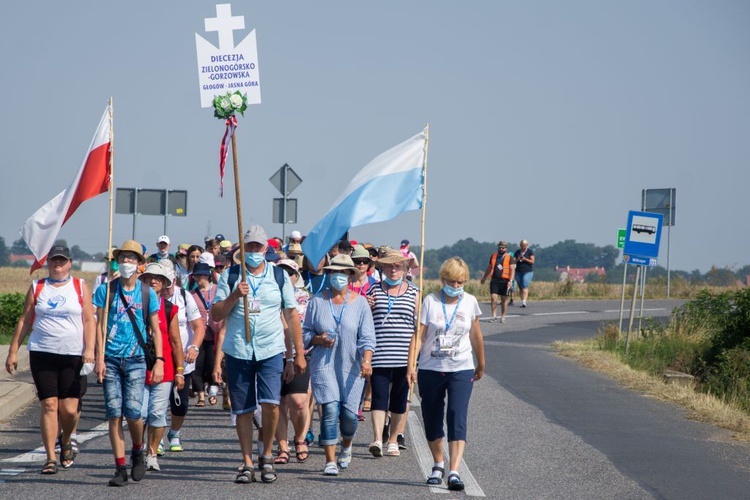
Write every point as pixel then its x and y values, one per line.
pixel 130 246
pixel 343 262
pixel 392 256
pixel 155 269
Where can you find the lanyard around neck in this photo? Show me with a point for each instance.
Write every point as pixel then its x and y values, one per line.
pixel 448 324
pixel 262 278
pixel 341 316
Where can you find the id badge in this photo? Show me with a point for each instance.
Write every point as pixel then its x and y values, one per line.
pixel 253 306
pixel 446 343
pixel 112 332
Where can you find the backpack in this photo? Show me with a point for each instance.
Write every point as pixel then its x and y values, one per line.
pixel 278 274
pixel 38 289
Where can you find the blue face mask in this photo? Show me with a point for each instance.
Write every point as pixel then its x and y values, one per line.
pixel 113 266
pixel 391 282
pixel 453 292
pixel 254 259
pixel 339 281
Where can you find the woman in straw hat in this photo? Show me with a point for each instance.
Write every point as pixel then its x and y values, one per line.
pixel 394 307
pixel 339 326
pixel 156 395
pixel 449 339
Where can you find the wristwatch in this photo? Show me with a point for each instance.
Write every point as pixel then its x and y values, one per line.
pixel 193 346
pixel 160 357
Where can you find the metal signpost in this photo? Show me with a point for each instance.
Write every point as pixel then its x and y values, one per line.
pixel 662 201
pixel 164 202
pixel 641 248
pixel 285 180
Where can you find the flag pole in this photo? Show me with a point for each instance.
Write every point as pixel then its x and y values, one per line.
pixel 111 218
pixel 239 230
pixel 421 252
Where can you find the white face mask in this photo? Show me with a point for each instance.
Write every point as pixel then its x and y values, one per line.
pixel 128 269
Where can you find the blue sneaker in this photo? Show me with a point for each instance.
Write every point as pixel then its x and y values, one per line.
pixel 310 437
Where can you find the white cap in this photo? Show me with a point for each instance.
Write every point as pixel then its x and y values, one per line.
pixel 207 258
pixel 296 235
pixel 163 239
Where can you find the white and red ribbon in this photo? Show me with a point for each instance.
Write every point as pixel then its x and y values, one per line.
pixel 228 133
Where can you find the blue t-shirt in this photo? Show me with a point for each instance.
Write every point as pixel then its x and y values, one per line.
pixel 122 341
pixel 267 329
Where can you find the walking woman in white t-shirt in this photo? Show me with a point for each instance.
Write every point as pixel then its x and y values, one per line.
pixel 60 317
pixel 449 339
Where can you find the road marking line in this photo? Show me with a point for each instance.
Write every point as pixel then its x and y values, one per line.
pixel 38 454
pixel 645 310
pixel 424 456
pixel 560 313
pixel 421 450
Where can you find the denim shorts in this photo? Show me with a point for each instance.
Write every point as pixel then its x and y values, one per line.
pixel 155 404
pixel 524 279
pixel 252 382
pixel 123 386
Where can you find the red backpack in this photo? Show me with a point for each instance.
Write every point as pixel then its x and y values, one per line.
pixel 38 289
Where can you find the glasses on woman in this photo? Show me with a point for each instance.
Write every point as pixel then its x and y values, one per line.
pixel 128 256
pixel 361 262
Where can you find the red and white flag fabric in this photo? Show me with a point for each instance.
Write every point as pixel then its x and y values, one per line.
pixel 224 149
pixel 41 229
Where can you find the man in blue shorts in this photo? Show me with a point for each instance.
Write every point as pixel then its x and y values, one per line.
pixel 259 361
pixel 524 269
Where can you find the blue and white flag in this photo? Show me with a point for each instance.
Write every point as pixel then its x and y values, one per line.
pixel 390 184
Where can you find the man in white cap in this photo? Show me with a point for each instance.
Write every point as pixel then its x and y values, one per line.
pixel 257 361
pixel 294 239
pixel 162 243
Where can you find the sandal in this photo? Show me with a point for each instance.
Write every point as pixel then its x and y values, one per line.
pixel 201 403
pixel 66 455
pixel 367 405
pixel 435 480
pixel 282 457
pixel 245 474
pixel 301 455
pixel 50 467
pixel 212 400
pixel 455 483
pixel 267 472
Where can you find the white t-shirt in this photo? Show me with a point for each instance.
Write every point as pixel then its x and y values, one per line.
pixel 187 312
pixel 58 321
pixel 448 351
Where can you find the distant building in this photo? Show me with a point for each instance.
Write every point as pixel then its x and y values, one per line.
pixel 578 274
pixel 29 259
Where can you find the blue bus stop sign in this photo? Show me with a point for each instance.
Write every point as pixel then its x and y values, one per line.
pixel 643 234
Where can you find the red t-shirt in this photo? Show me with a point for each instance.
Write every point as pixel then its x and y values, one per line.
pixel 169 367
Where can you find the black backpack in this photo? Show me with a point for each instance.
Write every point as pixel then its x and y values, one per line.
pixel 278 274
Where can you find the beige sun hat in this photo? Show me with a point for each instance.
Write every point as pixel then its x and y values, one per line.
pixel 156 269
pixel 343 262
pixel 360 252
pixel 392 256
pixel 130 246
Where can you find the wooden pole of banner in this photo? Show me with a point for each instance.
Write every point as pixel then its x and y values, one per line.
pixel 235 160
pixel 417 328
pixel 111 219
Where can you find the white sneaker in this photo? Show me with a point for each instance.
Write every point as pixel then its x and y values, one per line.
pixel 151 463
pixel 502 320
pixel 331 469
pixel 345 458
pixel 392 450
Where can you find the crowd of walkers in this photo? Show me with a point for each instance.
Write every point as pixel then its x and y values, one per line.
pixel 286 339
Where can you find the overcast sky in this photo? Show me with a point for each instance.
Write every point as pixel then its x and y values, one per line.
pixel 547 118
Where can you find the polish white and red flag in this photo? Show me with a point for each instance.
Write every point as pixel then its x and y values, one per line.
pixel 41 229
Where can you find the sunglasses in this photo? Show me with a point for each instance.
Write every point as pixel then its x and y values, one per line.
pixel 360 262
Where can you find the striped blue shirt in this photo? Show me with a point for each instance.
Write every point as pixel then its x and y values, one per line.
pixel 334 372
pixel 393 317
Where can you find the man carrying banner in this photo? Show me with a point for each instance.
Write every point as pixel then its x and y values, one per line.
pixel 257 360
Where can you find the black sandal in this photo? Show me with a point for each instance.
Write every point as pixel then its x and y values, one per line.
pixel 455 483
pixel 301 455
pixel 245 474
pixel 435 480
pixel 267 472
pixel 49 467
pixel 66 455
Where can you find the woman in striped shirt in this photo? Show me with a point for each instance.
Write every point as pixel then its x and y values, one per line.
pixel 338 324
pixel 394 304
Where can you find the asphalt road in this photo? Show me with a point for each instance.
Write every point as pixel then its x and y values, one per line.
pixel 540 427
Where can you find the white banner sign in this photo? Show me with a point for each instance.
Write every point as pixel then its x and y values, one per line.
pixel 227 68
